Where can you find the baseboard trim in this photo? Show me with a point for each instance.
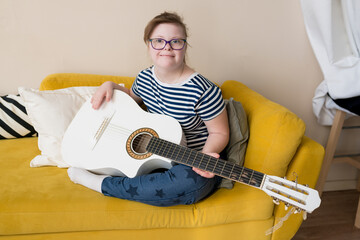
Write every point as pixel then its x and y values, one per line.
pixel 340 185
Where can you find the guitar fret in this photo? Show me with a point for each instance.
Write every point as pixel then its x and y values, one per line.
pixel 173 151
pixel 236 172
pixel 203 162
pixel 247 177
pixel 218 168
pixel 212 163
pixel 231 172
pixel 188 156
pixel 242 170
pixel 206 167
pixel 172 148
pixel 251 177
pixel 167 150
pixel 160 147
pixel 227 169
pixel 176 157
pixel 222 170
pixel 202 157
pixel 244 176
pixel 149 146
pixel 217 160
pixel 193 157
pixel 182 156
pixel 259 177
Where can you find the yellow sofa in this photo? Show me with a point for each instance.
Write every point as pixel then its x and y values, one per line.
pixel 42 203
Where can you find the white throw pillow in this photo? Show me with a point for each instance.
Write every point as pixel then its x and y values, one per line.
pixel 50 113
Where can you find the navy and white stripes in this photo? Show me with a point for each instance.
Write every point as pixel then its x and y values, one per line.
pixel 191 102
pixel 14 121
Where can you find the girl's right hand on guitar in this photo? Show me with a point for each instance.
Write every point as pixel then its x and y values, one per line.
pixel 105 91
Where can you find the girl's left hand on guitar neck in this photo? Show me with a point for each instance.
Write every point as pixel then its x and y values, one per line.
pixel 205 173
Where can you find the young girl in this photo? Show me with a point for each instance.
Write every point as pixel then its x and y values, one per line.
pixel 172 88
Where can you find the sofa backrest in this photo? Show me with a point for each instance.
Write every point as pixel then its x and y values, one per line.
pixel 65 80
pixel 275 132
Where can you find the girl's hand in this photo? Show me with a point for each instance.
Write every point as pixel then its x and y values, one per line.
pixel 205 173
pixel 106 91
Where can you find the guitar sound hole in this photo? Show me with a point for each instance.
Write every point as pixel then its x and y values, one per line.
pixel 140 142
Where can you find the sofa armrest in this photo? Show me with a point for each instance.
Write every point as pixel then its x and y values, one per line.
pixel 306 166
pixel 279 134
pixel 307 162
pixel 275 132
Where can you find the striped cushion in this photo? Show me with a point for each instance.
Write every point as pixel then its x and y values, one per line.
pixel 14 121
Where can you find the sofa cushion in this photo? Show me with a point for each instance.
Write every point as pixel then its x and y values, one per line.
pixel 44 200
pixel 275 132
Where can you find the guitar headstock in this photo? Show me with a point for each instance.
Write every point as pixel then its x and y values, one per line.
pixel 291 193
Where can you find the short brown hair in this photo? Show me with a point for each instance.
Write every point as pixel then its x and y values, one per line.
pixel 165 17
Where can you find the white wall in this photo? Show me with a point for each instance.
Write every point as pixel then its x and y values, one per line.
pixel 258 42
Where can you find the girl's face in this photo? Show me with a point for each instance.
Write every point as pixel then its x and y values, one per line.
pixel 167 58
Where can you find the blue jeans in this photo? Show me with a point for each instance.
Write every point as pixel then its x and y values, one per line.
pixel 178 185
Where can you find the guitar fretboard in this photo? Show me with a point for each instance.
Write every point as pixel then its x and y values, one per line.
pixel 191 157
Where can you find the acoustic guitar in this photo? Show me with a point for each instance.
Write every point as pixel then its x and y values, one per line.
pixel 122 139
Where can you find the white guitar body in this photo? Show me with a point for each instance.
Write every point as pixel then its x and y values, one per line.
pixel 104 140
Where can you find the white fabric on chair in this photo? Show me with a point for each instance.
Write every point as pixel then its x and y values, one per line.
pixel 334 32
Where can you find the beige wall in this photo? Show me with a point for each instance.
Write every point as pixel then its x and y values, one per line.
pixel 258 42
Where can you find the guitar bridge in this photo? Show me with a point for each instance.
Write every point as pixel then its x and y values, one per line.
pixel 104 124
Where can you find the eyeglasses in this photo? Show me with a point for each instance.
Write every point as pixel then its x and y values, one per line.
pixel 175 44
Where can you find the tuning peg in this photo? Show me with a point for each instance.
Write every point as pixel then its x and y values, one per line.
pixel 276 201
pixel 287 205
pixel 297 210
pixel 304 215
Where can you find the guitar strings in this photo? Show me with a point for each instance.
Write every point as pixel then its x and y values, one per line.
pixel 119 128
pixel 226 169
pixel 223 168
pixel 113 133
pixel 115 130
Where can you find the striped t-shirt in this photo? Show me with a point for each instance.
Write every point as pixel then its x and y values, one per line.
pixel 191 102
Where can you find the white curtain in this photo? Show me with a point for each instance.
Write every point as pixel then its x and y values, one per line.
pixel 333 28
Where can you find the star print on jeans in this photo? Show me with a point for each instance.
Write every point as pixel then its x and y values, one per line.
pixel 160 193
pixel 132 191
pixel 192 174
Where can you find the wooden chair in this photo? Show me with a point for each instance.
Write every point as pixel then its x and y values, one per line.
pixel 330 157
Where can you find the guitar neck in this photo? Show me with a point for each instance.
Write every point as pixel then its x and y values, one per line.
pixel 193 158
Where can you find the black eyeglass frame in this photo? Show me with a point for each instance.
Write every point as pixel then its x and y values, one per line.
pixel 167 42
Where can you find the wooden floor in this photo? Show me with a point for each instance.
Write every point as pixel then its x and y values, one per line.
pixel 334 219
